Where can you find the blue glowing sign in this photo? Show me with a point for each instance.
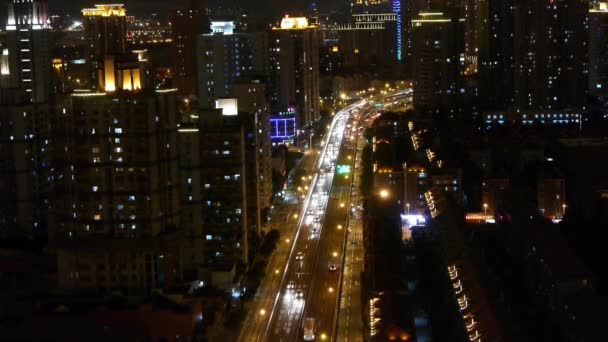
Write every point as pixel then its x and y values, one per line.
pixel 282 128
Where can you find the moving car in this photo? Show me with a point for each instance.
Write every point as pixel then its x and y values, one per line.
pixel 309 329
pixel 300 256
pixel 299 294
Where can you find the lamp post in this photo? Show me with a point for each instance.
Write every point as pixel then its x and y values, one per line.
pixel 563 210
pixel 408 208
pixel 310 143
pixel 485 210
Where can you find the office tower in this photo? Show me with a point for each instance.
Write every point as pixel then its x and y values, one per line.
pixel 224 56
pixel 25 168
pixel 294 69
pixel 251 96
pixel 495 33
pixel 551 54
pixel 27 49
pixel 186 25
pixel 438 50
pixel 598 45
pixel 105 34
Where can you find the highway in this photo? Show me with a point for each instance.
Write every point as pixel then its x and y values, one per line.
pixel 319 277
pixel 309 288
pixel 282 219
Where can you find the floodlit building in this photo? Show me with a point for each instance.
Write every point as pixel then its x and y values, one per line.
pixel 105 34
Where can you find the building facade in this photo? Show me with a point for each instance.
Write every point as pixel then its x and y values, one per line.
pixel 550 45
pixel 118 203
pixel 25 165
pixel 186 25
pixel 223 57
pixel 496 56
pixel 105 34
pixel 27 63
pixel 438 61
pixel 294 69
pixel 598 44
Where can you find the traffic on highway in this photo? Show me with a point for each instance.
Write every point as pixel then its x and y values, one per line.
pixel 314 249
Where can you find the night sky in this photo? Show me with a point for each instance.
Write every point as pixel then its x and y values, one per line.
pixel 254 7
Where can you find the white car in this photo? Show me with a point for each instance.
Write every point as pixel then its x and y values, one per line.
pixel 299 294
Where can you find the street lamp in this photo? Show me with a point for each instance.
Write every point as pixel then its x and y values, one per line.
pixel 384 193
pixel 485 209
pixel 563 210
pixel 310 143
pixel 408 208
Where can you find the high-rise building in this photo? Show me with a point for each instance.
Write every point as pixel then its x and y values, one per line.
pixel 226 176
pixel 116 207
pixel 438 61
pixel 224 56
pixel 294 69
pixel 223 186
pixel 471 39
pixel 25 165
pixel 598 45
pixel 118 202
pixel 551 64
pixel 371 40
pixel 26 63
pixel 496 55
pixel 105 34
pixel 407 13
pixel 186 25
pixel 252 98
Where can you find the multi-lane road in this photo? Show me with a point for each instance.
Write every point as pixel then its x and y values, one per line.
pixel 312 275
pixel 310 282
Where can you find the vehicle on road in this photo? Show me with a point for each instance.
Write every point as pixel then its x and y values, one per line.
pixel 299 294
pixel 333 267
pixel 300 256
pixel 309 329
pixel 291 285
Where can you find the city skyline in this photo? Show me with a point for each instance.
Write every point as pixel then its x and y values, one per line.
pixel 361 170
